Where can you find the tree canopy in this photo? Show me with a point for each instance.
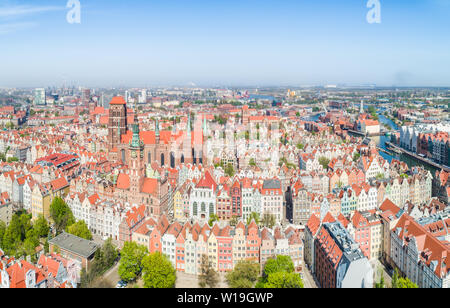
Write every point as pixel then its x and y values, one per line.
pixel 280 264
pixel 280 273
pixel 80 229
pixel 254 216
pixel 208 275
pixel 244 275
pixel 61 214
pixel 324 162
pixel 21 237
pixel 104 259
pixel 158 271
pixel 41 226
pixel 131 261
pixel 283 280
pixel 268 220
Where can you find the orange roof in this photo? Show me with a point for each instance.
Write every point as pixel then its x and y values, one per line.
pixel 313 224
pixel 207 181
pixel 123 181
pixel 59 183
pixel 388 205
pixel 118 100
pixel 150 186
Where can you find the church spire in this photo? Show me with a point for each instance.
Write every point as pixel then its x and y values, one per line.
pixel 136 140
pixel 157 127
pixel 174 126
pixel 189 125
pixel 205 127
pixel 157 130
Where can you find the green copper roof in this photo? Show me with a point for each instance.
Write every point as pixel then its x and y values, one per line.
pixel 136 140
pixel 157 127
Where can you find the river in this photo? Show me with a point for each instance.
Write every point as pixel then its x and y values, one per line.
pixel 381 142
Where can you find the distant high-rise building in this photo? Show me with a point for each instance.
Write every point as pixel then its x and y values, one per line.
pixel 127 96
pixel 39 96
pixel 85 96
pixel 143 97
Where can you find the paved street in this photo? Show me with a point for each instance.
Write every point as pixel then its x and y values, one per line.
pixel 191 281
pixel 110 278
pixel 378 268
pixel 308 280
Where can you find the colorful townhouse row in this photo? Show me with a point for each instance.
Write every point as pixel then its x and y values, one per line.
pixel 185 244
pixel 417 247
pixel 51 271
pixel 415 188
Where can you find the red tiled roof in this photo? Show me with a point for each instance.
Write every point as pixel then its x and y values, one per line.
pixel 207 181
pixel 59 183
pixel 123 181
pixel 118 100
pixel 150 186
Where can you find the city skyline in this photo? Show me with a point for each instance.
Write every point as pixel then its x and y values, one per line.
pixel 287 43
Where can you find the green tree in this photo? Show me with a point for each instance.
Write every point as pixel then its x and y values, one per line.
pixel 103 260
pixel 395 278
pixel 212 219
pixel 229 170
pixel 380 176
pixel 284 280
pixel 131 261
pixel 300 146
pixel 46 246
pixel 252 162
pixel 279 272
pixel 25 225
pixel 110 253
pixel 244 275
pixel 356 157
pixel 254 216
pixel 158 271
pixel 2 232
pixel 208 276
pixel 279 264
pixel 234 221
pixel 9 125
pixel 61 214
pixel 381 284
pixel 30 244
pixel 41 226
pixel 405 283
pixel 12 159
pixel 13 235
pixel 80 229
pixel 268 220
pixel 324 162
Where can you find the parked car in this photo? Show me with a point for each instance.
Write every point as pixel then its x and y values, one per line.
pixel 121 284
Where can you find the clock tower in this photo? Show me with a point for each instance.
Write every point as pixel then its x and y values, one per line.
pixel 136 166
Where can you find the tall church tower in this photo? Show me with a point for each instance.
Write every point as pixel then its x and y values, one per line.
pixel 136 159
pixel 117 125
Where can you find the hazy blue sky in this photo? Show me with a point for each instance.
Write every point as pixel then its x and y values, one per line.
pixel 277 42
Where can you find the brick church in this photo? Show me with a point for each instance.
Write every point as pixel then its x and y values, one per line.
pixel 144 152
pixel 166 148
